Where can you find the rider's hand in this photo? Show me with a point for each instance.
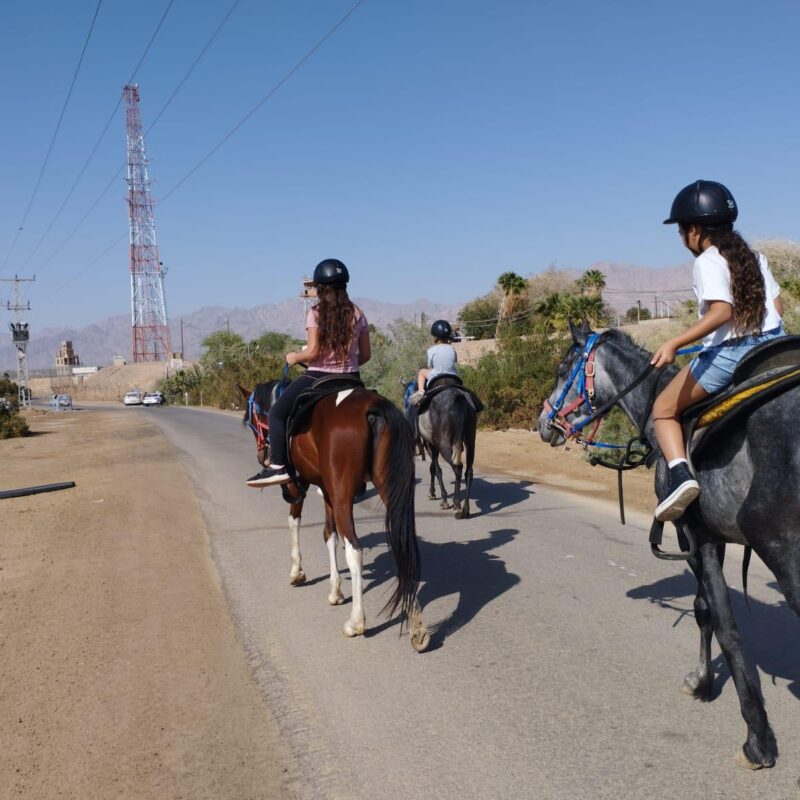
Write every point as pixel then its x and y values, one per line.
pixel 664 355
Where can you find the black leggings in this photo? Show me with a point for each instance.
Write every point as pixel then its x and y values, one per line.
pixel 279 413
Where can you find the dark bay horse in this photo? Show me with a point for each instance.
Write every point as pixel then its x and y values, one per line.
pixel 351 437
pixel 750 495
pixel 448 426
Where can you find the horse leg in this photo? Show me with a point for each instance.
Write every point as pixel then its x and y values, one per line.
pixel 756 751
pixel 699 682
pixel 335 598
pixel 343 516
pixel 432 470
pixel 458 470
pixel 296 577
pixel 436 470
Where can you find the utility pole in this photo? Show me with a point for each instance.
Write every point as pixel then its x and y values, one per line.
pixel 638 311
pixel 182 350
pixel 20 336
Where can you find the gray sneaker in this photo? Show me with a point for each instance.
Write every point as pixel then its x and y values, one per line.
pixel 682 490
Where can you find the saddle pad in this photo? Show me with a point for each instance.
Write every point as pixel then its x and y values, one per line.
pixel 308 398
pixel 423 404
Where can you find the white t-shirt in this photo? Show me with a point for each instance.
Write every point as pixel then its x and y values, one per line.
pixel 442 360
pixel 711 280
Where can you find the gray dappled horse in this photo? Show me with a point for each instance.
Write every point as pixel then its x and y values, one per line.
pixel 750 495
pixel 447 425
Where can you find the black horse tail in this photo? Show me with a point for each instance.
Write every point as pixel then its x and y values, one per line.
pixel 393 475
pixel 459 419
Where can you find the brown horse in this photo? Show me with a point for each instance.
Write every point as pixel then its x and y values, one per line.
pixel 351 437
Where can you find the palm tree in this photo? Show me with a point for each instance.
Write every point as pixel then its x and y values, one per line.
pixel 553 310
pixel 592 282
pixel 512 286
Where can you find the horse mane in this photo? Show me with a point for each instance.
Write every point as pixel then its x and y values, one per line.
pixel 625 339
pixel 262 396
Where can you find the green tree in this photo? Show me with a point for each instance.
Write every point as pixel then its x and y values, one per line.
pixel 634 314
pixel 478 318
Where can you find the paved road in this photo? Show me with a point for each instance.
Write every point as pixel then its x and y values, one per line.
pixel 559 645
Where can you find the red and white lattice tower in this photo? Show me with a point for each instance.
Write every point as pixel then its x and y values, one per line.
pixel 150 328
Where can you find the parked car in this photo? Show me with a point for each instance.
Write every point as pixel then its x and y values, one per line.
pixel 153 399
pixel 134 397
pixel 61 401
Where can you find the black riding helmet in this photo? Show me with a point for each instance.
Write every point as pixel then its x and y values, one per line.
pixel 331 272
pixel 441 330
pixel 703 202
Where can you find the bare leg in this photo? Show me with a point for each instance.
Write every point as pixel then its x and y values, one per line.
pixel 681 392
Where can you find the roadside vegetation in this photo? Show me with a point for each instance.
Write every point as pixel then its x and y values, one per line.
pixel 528 318
pixel 12 424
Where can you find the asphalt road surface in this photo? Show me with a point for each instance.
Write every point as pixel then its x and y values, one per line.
pixel 559 645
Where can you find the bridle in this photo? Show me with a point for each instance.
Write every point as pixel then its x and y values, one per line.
pixel 584 371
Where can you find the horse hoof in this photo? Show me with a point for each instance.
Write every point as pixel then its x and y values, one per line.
pixel 432 497
pixel 697 687
pixel 298 580
pixel 445 506
pixel 742 760
pixel 351 630
pixel 335 598
pixel 461 514
pixel 420 639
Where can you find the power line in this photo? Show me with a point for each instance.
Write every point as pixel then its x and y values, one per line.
pixel 225 138
pixel 53 138
pixel 92 154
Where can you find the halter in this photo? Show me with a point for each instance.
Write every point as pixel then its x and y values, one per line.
pixel 584 372
pixel 254 411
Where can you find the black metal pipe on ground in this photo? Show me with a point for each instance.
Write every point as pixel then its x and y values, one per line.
pixel 47 487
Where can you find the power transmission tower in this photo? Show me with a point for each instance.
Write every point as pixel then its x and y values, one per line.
pixel 20 336
pixel 150 327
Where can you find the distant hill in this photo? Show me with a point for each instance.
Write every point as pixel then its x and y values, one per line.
pixel 656 288
pixel 98 343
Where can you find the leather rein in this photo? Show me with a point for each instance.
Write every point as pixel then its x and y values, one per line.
pixel 584 372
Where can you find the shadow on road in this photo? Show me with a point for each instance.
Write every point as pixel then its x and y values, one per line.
pixel 468 569
pixel 770 632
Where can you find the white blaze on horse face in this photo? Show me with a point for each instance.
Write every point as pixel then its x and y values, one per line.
pixel 342 396
pixel 356 624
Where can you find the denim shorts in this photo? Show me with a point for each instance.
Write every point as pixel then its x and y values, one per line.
pixel 713 368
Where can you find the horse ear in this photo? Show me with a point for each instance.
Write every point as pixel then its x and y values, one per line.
pixel 577 333
pixel 244 392
pixel 586 328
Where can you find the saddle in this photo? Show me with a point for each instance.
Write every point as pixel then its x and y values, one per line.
pixel 301 414
pixel 439 384
pixel 768 370
pixel 308 398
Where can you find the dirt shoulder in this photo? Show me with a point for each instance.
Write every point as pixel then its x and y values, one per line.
pixel 122 673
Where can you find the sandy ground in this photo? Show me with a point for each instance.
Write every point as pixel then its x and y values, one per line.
pixel 122 674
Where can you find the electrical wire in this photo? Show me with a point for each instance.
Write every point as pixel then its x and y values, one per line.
pixel 232 131
pixel 92 155
pixel 53 138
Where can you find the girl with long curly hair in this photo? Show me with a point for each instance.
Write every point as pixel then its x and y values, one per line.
pixel 338 344
pixel 739 306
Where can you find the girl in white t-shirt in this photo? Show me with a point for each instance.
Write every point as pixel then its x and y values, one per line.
pixel 739 306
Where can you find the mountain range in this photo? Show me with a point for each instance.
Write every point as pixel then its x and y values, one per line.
pixel 97 344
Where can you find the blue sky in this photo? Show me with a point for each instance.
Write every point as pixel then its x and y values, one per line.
pixel 431 145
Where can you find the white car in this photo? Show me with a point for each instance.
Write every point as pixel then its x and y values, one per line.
pixel 133 398
pixel 153 399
